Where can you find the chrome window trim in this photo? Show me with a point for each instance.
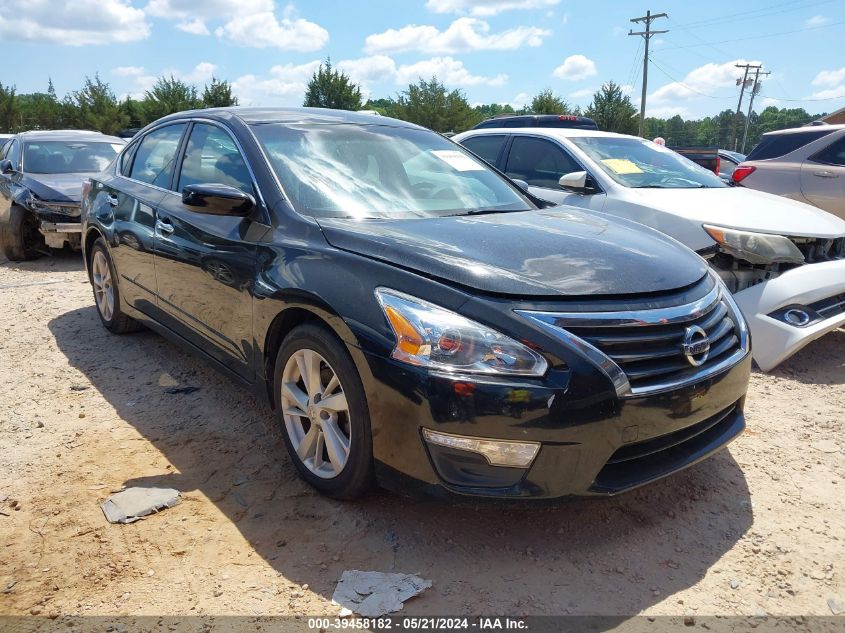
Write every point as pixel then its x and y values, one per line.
pixel 554 323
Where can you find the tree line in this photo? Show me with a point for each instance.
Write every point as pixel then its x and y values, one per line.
pixel 428 103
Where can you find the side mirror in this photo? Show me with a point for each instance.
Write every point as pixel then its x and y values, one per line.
pixel 576 182
pixel 217 199
pixel 6 166
pixel 521 184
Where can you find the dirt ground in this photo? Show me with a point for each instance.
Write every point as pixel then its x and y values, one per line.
pixel 760 528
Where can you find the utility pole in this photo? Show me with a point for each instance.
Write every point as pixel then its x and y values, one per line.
pixel 648 18
pixel 734 132
pixel 754 92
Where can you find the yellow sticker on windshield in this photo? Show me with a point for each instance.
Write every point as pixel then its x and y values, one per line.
pixel 622 166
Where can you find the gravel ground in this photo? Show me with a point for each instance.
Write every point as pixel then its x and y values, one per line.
pixel 757 529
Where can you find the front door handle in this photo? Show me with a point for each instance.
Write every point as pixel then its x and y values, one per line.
pixel 825 174
pixel 164 226
pixel 113 201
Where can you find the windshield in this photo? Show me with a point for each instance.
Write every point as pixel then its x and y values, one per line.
pixel 633 162
pixel 67 157
pixel 379 171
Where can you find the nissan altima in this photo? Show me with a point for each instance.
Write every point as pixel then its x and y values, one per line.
pixel 415 318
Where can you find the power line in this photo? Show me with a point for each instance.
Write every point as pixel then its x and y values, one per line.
pixel 648 18
pixel 755 13
pixel 757 37
pixel 688 87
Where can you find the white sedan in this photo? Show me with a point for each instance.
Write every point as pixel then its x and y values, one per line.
pixel 783 260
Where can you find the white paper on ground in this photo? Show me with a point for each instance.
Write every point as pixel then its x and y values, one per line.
pixel 132 504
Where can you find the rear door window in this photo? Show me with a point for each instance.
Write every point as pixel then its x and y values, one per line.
pixel 538 162
pixel 488 147
pixel 213 157
pixel 777 145
pixel 156 156
pixel 833 154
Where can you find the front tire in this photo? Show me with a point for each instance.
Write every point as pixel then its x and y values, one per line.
pixel 106 293
pixel 20 239
pixel 323 413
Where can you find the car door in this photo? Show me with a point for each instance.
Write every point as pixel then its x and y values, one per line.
pixel 823 178
pixel 486 146
pixel 205 264
pixel 541 162
pixel 8 182
pixel 143 175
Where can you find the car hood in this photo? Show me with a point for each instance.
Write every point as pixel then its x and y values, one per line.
pixel 745 209
pixel 550 252
pixel 56 187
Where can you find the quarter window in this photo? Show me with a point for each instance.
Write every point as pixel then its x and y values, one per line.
pixel 538 162
pixel 213 157
pixel 488 147
pixel 777 145
pixel 156 156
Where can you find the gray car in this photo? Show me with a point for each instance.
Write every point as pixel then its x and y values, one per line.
pixel 41 178
pixel 805 164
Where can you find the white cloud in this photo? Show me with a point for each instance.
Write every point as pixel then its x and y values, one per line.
pixel 195 26
pixel 838 92
pixel 816 21
pixel 485 7
pixel 448 70
pixel 830 77
pixel 285 86
pixel 667 112
pixel 464 34
pixel 770 101
pixel 705 79
pixel 618 30
pixel 584 93
pixel 369 69
pixel 73 23
pixel 575 68
pixel 251 23
pixel 264 30
pixel 128 71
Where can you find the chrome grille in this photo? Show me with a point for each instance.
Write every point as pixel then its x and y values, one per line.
pixel 654 350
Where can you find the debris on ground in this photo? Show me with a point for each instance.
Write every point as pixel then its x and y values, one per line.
pixel 178 390
pixel 133 504
pixel 374 593
pixel 836 607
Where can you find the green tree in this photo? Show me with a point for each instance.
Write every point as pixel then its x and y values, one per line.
pixel 612 110
pixel 547 102
pixel 218 94
pixel 95 107
pixel 8 109
pixel 135 113
pixel 169 95
pixel 332 88
pixel 385 107
pixel 430 104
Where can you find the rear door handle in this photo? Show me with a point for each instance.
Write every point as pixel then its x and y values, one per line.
pixel 113 201
pixel 825 174
pixel 164 226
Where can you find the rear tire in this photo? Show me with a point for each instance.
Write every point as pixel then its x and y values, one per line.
pixel 330 444
pixel 106 292
pixel 19 237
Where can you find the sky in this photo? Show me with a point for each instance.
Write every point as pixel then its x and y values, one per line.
pixel 496 51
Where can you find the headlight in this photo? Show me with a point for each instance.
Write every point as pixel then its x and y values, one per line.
pixel 756 248
pixel 431 336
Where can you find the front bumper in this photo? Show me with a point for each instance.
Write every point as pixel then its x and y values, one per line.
pixel 592 443
pixel 774 339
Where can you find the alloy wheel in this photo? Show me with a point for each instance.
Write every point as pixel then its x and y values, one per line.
pixel 316 413
pixel 103 288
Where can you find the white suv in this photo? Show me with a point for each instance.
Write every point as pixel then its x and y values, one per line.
pixel 805 163
pixel 783 260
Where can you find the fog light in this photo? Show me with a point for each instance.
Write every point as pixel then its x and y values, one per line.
pixel 496 452
pixel 796 317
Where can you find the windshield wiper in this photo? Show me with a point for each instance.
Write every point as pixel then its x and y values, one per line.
pixel 482 212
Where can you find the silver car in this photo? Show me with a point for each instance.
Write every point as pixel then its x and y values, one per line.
pixel 806 164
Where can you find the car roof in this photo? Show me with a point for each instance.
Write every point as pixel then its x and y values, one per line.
pixel 68 135
pixel 258 115
pixel 807 129
pixel 559 132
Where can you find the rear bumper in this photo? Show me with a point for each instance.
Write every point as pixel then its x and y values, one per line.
pixel 589 447
pixel 810 288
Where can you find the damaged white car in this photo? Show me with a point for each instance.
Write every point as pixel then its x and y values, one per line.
pixel 783 260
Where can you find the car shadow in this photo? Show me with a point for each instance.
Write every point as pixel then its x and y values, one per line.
pixel 59 261
pixel 614 556
pixel 822 362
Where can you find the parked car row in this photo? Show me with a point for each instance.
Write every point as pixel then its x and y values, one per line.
pixel 528 319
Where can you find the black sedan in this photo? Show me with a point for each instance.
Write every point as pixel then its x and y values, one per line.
pixel 415 318
pixel 41 175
